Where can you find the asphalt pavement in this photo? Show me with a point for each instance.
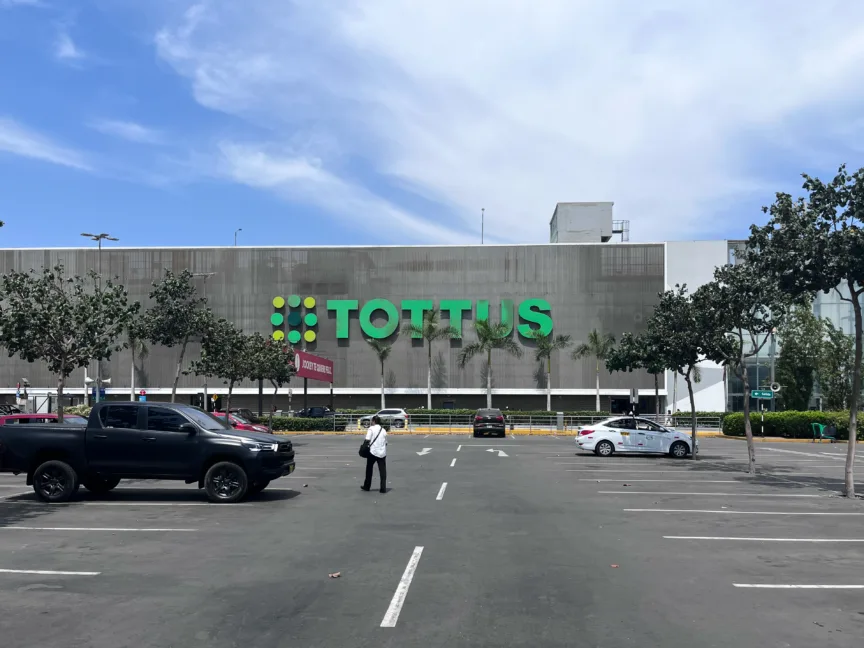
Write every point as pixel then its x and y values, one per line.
pixel 527 544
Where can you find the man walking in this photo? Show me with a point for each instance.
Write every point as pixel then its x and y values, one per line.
pixel 377 437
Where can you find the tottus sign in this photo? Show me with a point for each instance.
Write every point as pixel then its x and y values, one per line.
pixel 381 318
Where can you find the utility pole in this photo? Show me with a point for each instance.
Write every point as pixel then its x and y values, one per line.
pixel 99 238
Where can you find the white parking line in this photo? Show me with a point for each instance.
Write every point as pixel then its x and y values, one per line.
pixel 398 600
pixel 43 572
pixel 795 452
pixel 459 448
pixel 708 494
pixel 111 529
pixel 441 492
pixel 452 463
pixel 765 539
pixel 665 481
pixel 766 586
pixel 679 470
pixel 727 512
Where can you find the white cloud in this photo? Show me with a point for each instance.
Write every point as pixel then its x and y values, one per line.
pixel 66 50
pixel 20 140
pixel 514 106
pixel 128 130
pixel 21 3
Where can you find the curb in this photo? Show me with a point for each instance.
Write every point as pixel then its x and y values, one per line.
pixel 777 440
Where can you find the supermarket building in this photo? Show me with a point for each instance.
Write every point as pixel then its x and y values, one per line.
pixel 331 299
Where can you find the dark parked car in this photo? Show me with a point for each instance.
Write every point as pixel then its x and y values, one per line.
pixel 489 421
pixel 324 412
pixel 144 441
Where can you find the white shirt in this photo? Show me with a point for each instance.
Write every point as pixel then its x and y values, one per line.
pixel 379 448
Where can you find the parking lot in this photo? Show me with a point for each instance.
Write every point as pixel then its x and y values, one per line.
pixel 479 542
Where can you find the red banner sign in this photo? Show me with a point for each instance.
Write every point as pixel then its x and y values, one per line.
pixel 314 367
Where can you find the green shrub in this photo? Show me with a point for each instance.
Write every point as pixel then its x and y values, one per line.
pixel 790 425
pixel 288 424
pixel 80 410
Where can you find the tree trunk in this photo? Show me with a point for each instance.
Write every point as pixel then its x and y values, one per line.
pixel 272 406
pixel 383 404
pixel 549 384
pixel 61 384
pixel 656 399
pixel 179 368
pixel 228 401
pixel 855 397
pixel 132 378
pixel 429 379
pixel 598 386
pixel 748 429
pixel 489 379
pixel 692 412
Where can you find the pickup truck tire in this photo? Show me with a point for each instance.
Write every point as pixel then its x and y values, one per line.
pixel 55 481
pixel 257 486
pixel 100 485
pixel 226 483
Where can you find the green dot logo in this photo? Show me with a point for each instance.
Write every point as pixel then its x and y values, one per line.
pixel 294 318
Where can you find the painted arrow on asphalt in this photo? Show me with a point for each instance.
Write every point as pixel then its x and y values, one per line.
pixel 501 453
pixel 425 451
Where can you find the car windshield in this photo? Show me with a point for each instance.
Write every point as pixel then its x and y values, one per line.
pixel 239 419
pixel 71 419
pixel 204 420
pixel 489 412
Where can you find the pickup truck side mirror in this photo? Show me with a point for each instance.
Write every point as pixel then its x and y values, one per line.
pixel 188 428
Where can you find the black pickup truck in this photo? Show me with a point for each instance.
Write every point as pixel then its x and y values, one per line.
pixel 144 441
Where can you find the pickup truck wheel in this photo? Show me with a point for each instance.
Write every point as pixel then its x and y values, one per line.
pixel 226 483
pixel 257 486
pixel 99 485
pixel 55 481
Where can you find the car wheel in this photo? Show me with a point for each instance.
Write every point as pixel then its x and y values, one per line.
pixel 503 435
pixel 99 485
pixel 55 481
pixel 399 423
pixel 678 450
pixel 365 424
pixel 604 449
pixel 226 483
pixel 257 486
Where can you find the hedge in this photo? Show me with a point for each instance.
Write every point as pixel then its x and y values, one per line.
pixel 466 412
pixel 790 425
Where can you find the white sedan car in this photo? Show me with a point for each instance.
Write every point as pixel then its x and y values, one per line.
pixel 634 434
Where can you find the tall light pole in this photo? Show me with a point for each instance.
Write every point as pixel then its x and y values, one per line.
pixel 482 225
pixel 99 238
pixel 235 235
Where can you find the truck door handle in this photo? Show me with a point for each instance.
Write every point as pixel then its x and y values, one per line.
pixel 149 438
pixel 100 436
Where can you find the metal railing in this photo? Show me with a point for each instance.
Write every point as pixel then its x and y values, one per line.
pixel 460 423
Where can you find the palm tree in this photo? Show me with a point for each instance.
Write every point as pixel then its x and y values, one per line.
pixel 138 346
pixel 431 330
pixel 490 336
pixel 382 350
pixel 546 345
pixel 598 347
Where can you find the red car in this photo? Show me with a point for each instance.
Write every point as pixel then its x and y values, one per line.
pixel 41 419
pixel 239 423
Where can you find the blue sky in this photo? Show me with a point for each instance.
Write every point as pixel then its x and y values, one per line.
pixel 175 122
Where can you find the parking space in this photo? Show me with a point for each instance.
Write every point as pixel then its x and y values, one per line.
pixel 516 541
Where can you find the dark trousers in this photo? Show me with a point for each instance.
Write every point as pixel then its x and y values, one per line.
pixel 382 471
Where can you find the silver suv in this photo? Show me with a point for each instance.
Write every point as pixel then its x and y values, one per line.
pixel 397 418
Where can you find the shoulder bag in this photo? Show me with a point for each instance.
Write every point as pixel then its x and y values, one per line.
pixel 365 447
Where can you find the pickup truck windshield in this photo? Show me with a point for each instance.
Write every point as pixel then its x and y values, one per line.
pixel 205 420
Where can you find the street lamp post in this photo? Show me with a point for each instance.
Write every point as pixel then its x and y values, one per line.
pixel 235 235
pixel 99 238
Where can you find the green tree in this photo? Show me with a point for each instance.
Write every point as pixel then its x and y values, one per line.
pixel 801 344
pixel 676 334
pixel 66 322
pixel 835 367
pixel 739 311
pixel 225 354
pixel 382 351
pixel 639 352
pixel 177 316
pixel 816 244
pixel 431 331
pixel 271 361
pixel 491 336
pixel 599 347
pixel 545 346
